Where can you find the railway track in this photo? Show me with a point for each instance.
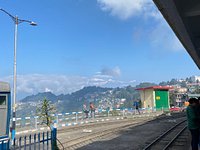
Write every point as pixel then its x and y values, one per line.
pixel 87 139
pixel 115 133
pixel 100 124
pixel 108 130
pixel 165 141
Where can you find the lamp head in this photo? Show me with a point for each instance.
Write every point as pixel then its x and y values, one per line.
pixel 33 23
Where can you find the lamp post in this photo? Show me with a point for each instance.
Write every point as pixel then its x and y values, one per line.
pixel 16 21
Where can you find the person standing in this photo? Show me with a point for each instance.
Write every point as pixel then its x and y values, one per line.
pixel 92 110
pixel 85 110
pixel 192 122
pixel 136 105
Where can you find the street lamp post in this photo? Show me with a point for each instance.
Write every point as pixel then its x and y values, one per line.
pixel 16 21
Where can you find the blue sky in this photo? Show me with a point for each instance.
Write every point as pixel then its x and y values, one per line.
pixel 79 43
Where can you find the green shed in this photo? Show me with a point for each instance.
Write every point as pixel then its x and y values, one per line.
pixel 155 97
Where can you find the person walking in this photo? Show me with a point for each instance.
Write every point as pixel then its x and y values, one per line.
pixel 192 120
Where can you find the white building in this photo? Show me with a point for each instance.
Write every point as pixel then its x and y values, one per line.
pixel 195 78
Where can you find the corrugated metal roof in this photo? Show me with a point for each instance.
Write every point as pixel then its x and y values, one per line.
pixel 4 87
pixel 156 88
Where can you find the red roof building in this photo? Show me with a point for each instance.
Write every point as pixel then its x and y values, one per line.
pixel 155 97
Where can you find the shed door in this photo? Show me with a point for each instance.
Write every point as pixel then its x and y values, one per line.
pixel 161 98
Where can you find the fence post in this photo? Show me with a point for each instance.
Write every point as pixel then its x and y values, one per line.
pixel 30 142
pixel 76 117
pixel 108 111
pixel 47 140
pixel 20 143
pixel 25 142
pixel 57 120
pixel 39 141
pixel 43 140
pixel 53 138
pixel 36 122
pixel 34 141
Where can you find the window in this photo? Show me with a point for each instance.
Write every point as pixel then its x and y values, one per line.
pixel 2 99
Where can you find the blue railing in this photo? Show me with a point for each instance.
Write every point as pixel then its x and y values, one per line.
pixel 44 141
pixel 34 123
pixel 4 143
pixel 47 140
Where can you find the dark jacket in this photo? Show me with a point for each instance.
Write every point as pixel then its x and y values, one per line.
pixel 192 117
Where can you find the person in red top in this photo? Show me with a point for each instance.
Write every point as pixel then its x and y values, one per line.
pixel 92 110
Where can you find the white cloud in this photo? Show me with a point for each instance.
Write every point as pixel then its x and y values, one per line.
pixel 159 36
pixel 48 90
pixel 113 72
pixel 34 83
pixel 125 9
pixel 59 84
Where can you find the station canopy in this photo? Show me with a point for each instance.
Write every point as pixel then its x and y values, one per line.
pixel 184 18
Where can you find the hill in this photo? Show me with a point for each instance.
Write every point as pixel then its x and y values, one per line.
pixel 102 98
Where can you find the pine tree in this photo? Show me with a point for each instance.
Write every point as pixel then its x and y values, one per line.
pixel 44 112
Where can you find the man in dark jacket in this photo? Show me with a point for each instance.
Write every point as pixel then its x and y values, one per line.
pixel 192 122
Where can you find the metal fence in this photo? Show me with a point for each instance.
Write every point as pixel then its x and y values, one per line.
pixel 44 141
pixel 4 143
pixel 47 140
pixel 74 118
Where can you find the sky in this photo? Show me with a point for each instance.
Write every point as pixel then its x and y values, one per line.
pixel 80 43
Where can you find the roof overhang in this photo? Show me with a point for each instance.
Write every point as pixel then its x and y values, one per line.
pixel 156 88
pixel 184 18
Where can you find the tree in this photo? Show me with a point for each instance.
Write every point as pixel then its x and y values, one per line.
pixel 145 84
pixel 172 98
pixel 163 83
pixel 44 112
pixel 197 81
pixel 173 82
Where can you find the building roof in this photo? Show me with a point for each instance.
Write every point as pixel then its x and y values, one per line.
pixel 4 87
pixel 184 18
pixel 156 88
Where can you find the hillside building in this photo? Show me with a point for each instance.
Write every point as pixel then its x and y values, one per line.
pixel 180 96
pixel 195 78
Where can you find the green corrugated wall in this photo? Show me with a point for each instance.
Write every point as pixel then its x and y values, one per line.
pixel 161 98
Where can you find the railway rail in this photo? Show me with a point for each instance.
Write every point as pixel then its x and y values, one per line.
pixel 100 131
pixel 100 123
pixel 117 134
pixel 166 140
pixel 89 138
